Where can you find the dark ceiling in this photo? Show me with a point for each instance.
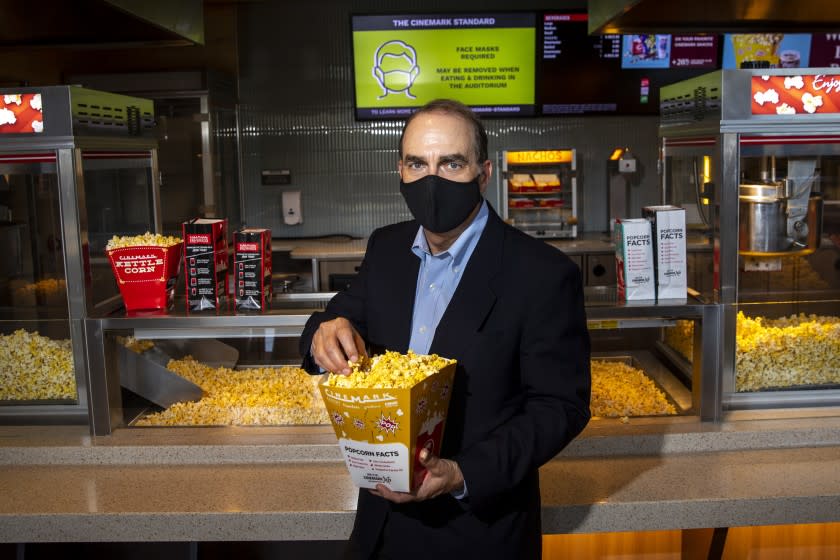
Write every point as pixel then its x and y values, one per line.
pixel 638 16
pixel 97 23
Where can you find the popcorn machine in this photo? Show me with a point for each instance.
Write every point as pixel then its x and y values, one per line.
pixel 539 191
pixel 754 157
pixel 76 167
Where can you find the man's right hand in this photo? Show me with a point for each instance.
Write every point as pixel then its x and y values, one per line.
pixel 334 343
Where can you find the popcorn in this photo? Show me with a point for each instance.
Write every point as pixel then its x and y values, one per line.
pixel 680 337
pixel 37 126
pixel 147 239
pixel 34 367
pixel 135 345
pixel 35 102
pixel 786 352
pixel 619 390
pixel 13 98
pixel 389 370
pixel 7 117
pixel 811 102
pixel 785 109
pixel 769 96
pixel 794 81
pixel 243 397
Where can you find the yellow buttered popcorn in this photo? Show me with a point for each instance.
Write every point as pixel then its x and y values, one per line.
pixel 785 352
pixel 34 367
pixel 146 240
pixel 390 370
pixel 243 397
pixel 619 390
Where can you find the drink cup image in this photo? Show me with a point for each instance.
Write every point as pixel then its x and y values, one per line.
pixel 790 59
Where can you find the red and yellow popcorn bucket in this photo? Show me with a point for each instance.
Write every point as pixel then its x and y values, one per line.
pixel 381 431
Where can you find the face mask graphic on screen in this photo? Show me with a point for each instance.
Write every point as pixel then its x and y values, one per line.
pixel 395 68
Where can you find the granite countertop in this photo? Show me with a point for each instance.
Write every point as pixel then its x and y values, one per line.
pixel 208 484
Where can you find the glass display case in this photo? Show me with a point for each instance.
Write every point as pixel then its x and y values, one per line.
pixel 76 166
pixel 181 368
pixel 539 191
pixel 218 369
pixel 758 154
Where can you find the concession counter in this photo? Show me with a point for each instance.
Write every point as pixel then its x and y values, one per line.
pixel 754 155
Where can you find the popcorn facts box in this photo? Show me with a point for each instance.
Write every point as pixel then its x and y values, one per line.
pixel 634 260
pixel 669 260
pixel 205 262
pixel 252 269
pixel 381 431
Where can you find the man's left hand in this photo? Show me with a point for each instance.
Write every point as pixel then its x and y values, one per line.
pixel 442 476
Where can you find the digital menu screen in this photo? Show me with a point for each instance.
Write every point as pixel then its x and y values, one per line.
pixel 669 51
pixel 766 50
pixel 612 74
pixel 486 61
pixel 21 113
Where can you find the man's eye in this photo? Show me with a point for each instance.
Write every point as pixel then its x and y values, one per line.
pixel 454 165
pixel 415 165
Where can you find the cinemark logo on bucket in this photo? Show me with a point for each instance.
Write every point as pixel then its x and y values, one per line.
pixel 247 247
pixel 198 239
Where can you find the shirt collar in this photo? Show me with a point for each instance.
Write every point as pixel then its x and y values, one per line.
pixel 458 250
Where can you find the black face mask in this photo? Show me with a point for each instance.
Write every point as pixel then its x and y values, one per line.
pixel 440 205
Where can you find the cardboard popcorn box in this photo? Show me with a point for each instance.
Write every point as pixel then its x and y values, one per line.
pixel 205 262
pixel 146 275
pixel 669 260
pixel 634 260
pixel 382 431
pixel 252 269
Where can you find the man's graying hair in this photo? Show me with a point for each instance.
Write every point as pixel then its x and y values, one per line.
pixel 452 107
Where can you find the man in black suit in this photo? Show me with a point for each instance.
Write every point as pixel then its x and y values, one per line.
pixel 459 282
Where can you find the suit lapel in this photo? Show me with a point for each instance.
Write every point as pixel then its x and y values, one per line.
pixel 401 290
pixel 475 296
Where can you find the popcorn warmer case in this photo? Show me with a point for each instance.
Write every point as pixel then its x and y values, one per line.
pixel 754 156
pixel 538 191
pixel 76 166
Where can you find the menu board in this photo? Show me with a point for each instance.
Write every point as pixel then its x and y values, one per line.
pixel 21 113
pixel 485 60
pixel 766 50
pixel 612 74
pixel 669 51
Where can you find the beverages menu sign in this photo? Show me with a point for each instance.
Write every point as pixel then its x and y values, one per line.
pixel 796 94
pixel 21 113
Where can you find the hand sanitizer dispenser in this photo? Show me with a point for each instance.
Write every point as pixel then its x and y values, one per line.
pixel 292 214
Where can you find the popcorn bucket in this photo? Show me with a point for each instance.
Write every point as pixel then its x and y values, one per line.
pixel 146 274
pixel 381 431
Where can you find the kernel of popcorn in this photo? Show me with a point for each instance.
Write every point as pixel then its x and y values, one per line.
pixel 765 77
pixel 145 240
pixel 37 126
pixel 12 98
pixel 785 109
pixel 769 96
pixel 389 370
pixel 35 102
pixel 811 102
pixel 7 117
pixel 794 81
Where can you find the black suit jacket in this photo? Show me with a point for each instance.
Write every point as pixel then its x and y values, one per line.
pixel 517 327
